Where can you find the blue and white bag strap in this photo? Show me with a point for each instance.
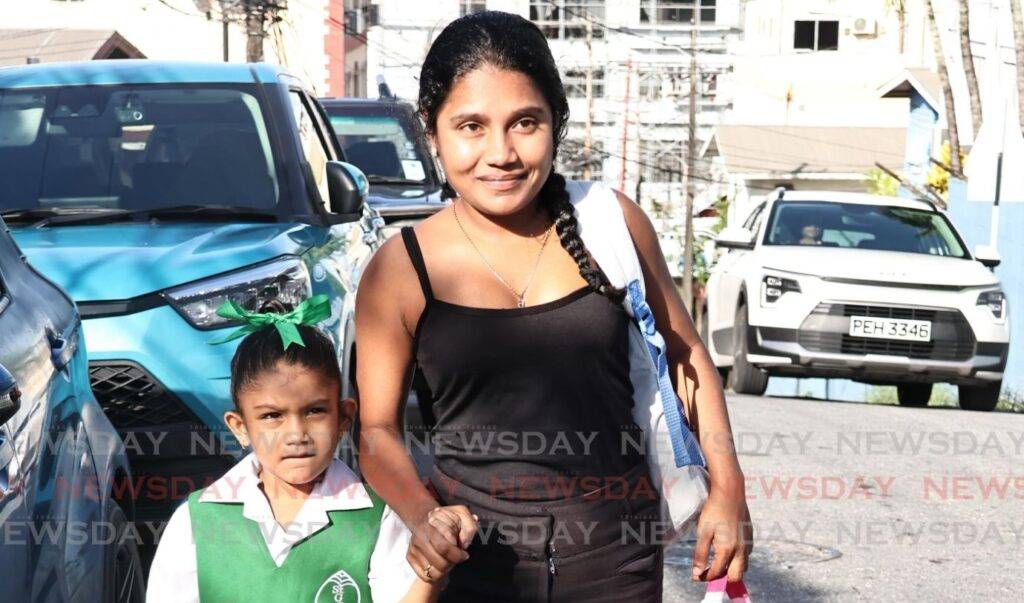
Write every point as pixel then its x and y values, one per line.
pixel 685 448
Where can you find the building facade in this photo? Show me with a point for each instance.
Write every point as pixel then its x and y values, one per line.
pixel 307 38
pixel 636 55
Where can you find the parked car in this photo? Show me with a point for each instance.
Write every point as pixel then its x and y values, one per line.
pixel 154 191
pixel 65 504
pixel 384 138
pixel 877 289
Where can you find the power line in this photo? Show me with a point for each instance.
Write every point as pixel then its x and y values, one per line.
pixel 662 169
pixel 181 11
pixel 621 30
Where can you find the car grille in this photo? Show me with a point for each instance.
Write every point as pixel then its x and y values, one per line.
pixel 826 330
pixel 133 398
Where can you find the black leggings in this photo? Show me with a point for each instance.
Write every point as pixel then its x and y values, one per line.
pixel 600 547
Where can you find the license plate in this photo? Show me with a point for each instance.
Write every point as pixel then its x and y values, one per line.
pixel 891 328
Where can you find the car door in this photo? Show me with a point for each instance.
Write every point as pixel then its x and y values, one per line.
pixel 724 286
pixel 336 263
pixel 45 459
pixel 40 443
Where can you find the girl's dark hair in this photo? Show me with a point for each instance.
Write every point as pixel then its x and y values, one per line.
pixel 510 42
pixel 261 350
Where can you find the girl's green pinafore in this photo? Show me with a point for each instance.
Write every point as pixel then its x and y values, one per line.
pixel 234 564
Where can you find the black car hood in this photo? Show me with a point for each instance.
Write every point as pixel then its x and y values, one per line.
pixel 397 201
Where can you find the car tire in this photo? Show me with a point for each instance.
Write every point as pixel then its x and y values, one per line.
pixel 982 397
pixel 122 580
pixel 746 378
pixel 914 394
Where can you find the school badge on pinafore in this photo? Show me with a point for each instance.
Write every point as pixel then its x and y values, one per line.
pixel 339 588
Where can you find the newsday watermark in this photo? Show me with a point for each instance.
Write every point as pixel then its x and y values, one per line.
pixel 202 441
pixel 983 535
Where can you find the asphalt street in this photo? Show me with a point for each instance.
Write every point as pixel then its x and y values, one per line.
pixel 860 502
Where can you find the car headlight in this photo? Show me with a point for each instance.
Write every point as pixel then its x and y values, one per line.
pixel 774 287
pixel 995 300
pixel 285 280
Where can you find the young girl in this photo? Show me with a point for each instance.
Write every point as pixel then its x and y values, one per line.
pixel 290 522
pixel 523 343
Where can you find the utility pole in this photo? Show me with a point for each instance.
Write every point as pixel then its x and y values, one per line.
pixel 224 32
pixel 691 149
pixel 625 123
pixel 588 137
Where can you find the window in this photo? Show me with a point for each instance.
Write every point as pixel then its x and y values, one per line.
pixel 565 19
pixel 863 227
pixel 676 12
pixel 471 6
pixel 709 84
pixel 385 144
pixel 754 218
pixel 662 160
pixel 313 146
pixel 135 147
pixel 573 159
pixel 816 35
pixel 665 81
pixel 575 82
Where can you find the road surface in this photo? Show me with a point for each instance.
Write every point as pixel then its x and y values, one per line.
pixel 860 502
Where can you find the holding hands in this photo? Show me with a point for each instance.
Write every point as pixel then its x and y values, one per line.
pixel 439 541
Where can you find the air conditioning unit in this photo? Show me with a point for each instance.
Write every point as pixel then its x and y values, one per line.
pixel 371 15
pixel 864 26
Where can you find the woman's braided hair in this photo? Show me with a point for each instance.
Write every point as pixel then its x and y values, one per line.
pixel 510 42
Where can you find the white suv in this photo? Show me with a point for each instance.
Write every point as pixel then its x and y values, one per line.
pixel 877 289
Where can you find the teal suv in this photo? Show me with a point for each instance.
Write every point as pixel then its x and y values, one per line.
pixel 154 191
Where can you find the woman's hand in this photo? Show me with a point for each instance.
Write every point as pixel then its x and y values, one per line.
pixel 439 541
pixel 725 524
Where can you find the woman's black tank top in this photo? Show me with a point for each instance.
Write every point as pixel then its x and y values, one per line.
pixel 531 403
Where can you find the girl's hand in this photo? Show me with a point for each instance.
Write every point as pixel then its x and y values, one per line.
pixel 456 522
pixel 439 541
pixel 724 523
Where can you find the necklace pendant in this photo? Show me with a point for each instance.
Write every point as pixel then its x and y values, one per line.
pixel 521 303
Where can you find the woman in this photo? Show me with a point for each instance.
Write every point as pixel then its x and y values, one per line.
pixel 524 345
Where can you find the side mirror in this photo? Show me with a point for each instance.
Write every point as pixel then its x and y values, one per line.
pixel 987 255
pixel 735 238
pixel 348 187
pixel 10 397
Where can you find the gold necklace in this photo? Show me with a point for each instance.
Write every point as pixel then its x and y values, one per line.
pixel 520 296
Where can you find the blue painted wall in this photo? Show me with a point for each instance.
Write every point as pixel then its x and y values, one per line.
pixel 974 220
pixel 920 133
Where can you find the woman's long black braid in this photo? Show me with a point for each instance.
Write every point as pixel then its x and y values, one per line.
pixel 555 198
pixel 513 43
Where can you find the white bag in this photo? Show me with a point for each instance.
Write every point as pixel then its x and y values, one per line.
pixel 677 464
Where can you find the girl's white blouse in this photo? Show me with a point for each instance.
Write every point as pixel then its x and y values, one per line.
pixel 172 577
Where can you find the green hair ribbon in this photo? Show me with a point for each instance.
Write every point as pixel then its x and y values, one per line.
pixel 309 312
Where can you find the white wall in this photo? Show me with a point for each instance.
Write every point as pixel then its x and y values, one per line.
pixel 775 84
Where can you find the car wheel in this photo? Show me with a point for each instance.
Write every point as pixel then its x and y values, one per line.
pixel 980 397
pixel 914 394
pixel 123 580
pixel 746 378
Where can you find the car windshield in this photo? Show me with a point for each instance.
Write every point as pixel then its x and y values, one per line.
pixel 86 148
pixel 862 226
pixel 383 142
